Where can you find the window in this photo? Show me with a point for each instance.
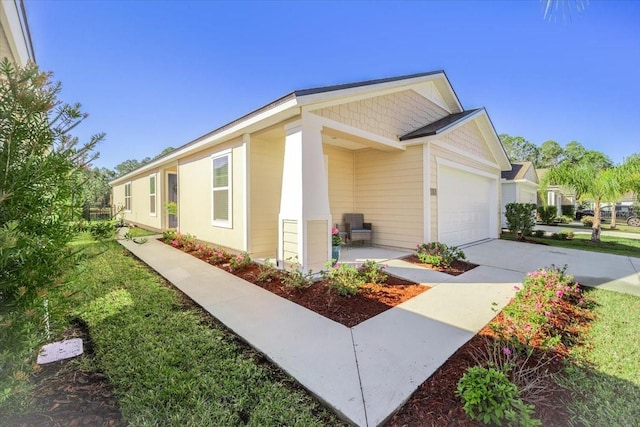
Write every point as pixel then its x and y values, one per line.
pixel 152 194
pixel 127 197
pixel 221 190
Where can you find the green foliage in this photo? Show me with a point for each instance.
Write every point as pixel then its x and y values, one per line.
pixel 267 272
pixel 587 221
pixel 520 218
pixel 547 214
pixel 344 278
pixel 544 310
pixel 539 233
pixel 240 261
pixel 490 398
pixel 439 254
pixel 172 208
pixel 568 210
pixel 101 230
pixel 295 278
pixel 41 168
pixel 372 272
pixel 519 149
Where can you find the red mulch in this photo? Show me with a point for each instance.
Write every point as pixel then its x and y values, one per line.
pixel 457 267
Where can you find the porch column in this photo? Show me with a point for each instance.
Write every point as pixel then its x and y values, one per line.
pixel 304 222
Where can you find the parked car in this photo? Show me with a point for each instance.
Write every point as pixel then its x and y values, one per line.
pixel 621 212
pixel 584 212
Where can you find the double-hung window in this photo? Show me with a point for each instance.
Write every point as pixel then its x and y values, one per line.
pixel 152 194
pixel 127 197
pixel 221 189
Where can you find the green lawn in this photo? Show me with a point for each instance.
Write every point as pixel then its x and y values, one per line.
pixel 605 374
pixel 609 244
pixel 621 226
pixel 170 364
pixel 140 232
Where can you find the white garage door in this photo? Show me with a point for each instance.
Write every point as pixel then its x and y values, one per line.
pixel 465 202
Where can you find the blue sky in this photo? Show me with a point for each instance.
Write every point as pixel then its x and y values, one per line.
pixel 159 74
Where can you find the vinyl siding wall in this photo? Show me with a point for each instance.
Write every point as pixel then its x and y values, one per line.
pixel 195 181
pixel 140 207
pixel 340 166
pixel 389 192
pixel 266 162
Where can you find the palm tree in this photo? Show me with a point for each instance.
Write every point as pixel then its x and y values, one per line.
pixel 587 181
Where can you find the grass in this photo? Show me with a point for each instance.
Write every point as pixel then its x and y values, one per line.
pixel 605 377
pixel 621 226
pixel 170 364
pixel 140 232
pixel 608 244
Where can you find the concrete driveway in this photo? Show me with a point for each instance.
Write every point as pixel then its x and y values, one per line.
pixel 613 272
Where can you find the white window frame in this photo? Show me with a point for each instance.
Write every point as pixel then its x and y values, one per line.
pixel 153 176
pixel 229 188
pixel 127 198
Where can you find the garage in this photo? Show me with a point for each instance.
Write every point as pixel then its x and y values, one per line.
pixel 466 206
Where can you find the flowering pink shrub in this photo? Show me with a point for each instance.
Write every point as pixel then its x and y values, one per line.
pixel 238 262
pixel 544 311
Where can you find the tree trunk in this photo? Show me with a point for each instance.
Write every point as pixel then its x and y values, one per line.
pixel 595 228
pixel 613 217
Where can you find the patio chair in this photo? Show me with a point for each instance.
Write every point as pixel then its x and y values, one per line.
pixel 357 230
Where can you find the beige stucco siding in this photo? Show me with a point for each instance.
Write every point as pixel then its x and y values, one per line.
pixel 140 213
pixel 340 168
pixel 468 138
pixel 389 192
pixel 195 190
pixel 389 115
pixel 266 162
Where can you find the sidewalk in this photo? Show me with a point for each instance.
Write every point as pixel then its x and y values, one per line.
pixel 364 373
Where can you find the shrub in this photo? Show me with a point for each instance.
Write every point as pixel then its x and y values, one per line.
pixel 169 235
pixel 439 254
pixel 539 233
pixel 520 218
pixel 542 311
pixel 344 278
pixel 587 221
pixel 565 235
pixel 372 272
pixel 267 272
pixel 564 219
pixel 568 211
pixel 547 214
pixel 238 262
pixel 101 230
pixel 219 256
pixel 490 398
pixel 295 277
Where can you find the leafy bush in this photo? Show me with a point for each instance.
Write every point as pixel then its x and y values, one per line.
pixel 42 172
pixel 101 230
pixel 565 235
pixel 295 278
pixel 539 233
pixel 344 278
pixel 520 218
pixel 218 256
pixel 439 254
pixel 372 272
pixel 564 219
pixel 267 272
pixel 238 262
pixel 568 211
pixel 490 398
pixel 169 235
pixel 543 310
pixel 587 221
pixel 547 214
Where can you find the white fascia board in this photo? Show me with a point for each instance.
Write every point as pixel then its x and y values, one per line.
pixel 251 124
pixel 342 96
pixel 16 31
pixel 464 154
pixel 372 140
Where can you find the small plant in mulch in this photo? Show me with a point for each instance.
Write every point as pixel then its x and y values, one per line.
pixel 238 262
pixel 439 254
pixel 267 272
pixel 295 278
pixel 372 272
pixel 344 278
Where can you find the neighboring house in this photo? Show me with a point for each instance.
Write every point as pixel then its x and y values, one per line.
pixel 15 39
pixel 402 151
pixel 556 195
pixel 519 185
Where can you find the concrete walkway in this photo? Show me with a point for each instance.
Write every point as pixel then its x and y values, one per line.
pixel 364 373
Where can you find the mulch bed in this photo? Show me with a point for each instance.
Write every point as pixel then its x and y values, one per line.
pixel 457 267
pixel 67 396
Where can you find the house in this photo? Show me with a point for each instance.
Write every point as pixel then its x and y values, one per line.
pixel 15 38
pixel 519 185
pixel 558 196
pixel 402 151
